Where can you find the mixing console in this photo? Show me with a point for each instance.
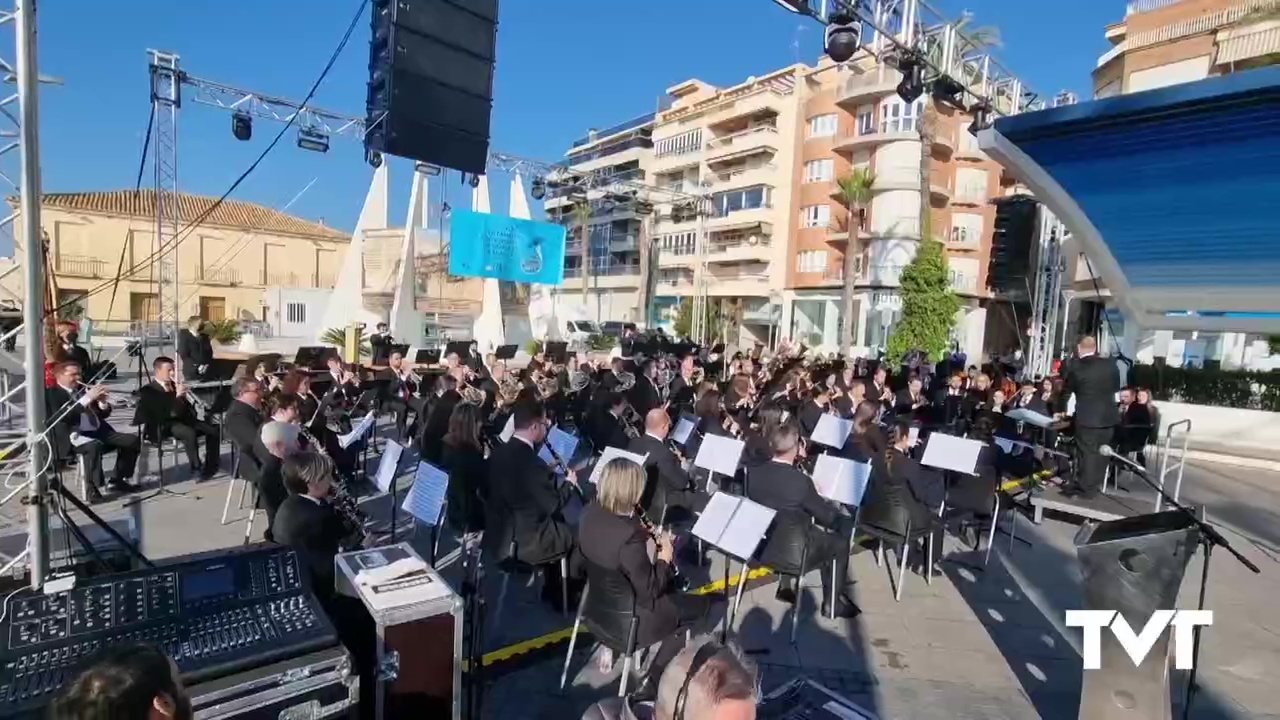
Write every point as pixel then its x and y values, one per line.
pixel 212 615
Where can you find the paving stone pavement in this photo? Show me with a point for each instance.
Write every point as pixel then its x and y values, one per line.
pixel 975 643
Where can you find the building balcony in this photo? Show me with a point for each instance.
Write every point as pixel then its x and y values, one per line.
pixel 960 238
pixel 83 266
pixel 838 231
pixel 219 276
pixel 673 258
pixel 883 275
pixel 872 85
pixel 967 148
pixel 1244 44
pixel 871 137
pixel 741 219
pixel 944 141
pixel 969 197
pixel 742 144
pixel 738 284
pixel 614 276
pixel 963 283
pixel 762 174
pixel 293 280
pixel 675 161
pixel 740 250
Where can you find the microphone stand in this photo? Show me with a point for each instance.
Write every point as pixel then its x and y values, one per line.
pixel 1209 537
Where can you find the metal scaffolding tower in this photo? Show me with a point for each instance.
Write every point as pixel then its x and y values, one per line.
pixel 1047 299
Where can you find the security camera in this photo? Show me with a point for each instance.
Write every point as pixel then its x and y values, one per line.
pixel 843 38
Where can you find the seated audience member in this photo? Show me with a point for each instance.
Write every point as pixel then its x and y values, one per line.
pixel 464 459
pixel 615 544
pixel 130 681
pixel 802 513
pixel 165 405
pixel 306 521
pixel 78 424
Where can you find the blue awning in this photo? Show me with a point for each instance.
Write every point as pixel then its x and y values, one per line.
pixel 1173 194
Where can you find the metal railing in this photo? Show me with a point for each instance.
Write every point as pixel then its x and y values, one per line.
pixel 727 141
pixel 1179 467
pixel 82 266
pixel 228 276
pixel 1141 6
pixel 730 176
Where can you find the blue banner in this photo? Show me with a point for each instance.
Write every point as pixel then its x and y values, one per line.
pixel 506 248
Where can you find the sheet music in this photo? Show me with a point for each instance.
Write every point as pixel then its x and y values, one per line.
pixel 1010 446
pixel 948 452
pixel 1029 417
pixel 357 432
pixel 684 428
pixel 841 479
pixel 733 524
pixel 609 454
pixel 719 454
pixel 832 430
pixel 563 443
pixel 388 465
pixel 77 439
pixel 426 498
pixel 508 429
pixel 913 436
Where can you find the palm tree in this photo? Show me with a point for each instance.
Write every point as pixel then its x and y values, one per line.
pixel 967 40
pixel 855 192
pixel 582 221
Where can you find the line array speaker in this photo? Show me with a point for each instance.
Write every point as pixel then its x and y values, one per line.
pixel 1012 239
pixel 430 93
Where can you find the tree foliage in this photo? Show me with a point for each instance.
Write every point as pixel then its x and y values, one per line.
pixel 929 306
pixel 683 323
pixel 338 338
pixel 855 192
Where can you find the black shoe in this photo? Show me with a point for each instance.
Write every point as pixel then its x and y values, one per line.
pixel 92 496
pixel 123 486
pixel 208 472
pixel 969 536
pixel 786 592
pixel 844 609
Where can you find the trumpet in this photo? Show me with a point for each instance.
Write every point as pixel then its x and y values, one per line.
pixel 109 400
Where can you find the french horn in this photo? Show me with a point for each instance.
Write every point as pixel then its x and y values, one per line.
pixel 471 394
pixel 578 381
pixel 626 380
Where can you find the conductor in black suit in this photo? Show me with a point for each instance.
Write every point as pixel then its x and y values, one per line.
pixel 195 350
pixel 1094 380
pixel 166 411
pixel 79 425
pixel 668 485
pixel 526 501
pixel 780 485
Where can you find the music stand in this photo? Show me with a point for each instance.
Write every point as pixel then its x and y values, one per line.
pixel 505 352
pixel 735 526
pixel 137 350
pixel 557 352
pixel 426 357
pixel 459 348
pixel 387 477
pixel 425 501
pixel 402 348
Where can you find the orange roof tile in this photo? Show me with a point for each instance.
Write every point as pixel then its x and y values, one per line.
pixel 231 213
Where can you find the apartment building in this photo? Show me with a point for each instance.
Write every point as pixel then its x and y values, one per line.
pixel 1167 42
pixel 602 265
pixel 736 147
pixel 223 266
pixel 852 117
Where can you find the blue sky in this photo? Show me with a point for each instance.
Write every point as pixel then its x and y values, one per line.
pixel 563 66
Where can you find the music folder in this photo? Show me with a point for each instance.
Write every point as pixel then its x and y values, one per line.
pixel 362 427
pixel 684 428
pixel 611 453
pixel 841 479
pixel 832 430
pixel 719 454
pixel 948 452
pixel 509 429
pixel 426 497
pixel 1030 417
pixel 565 444
pixel 734 524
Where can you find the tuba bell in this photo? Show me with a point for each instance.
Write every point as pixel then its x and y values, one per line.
pixel 626 380
pixel 472 394
pixel 578 381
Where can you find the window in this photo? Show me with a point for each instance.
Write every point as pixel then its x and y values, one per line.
pixel 823 125
pixel 749 198
pixel 295 313
pixel 971 183
pixel 866 122
pixel 685 142
pixel 811 261
pixel 966 229
pixel 897 116
pixel 819 170
pixel 815 216
pixel 682 243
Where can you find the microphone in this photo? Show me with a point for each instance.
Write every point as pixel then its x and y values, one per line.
pixel 1107 451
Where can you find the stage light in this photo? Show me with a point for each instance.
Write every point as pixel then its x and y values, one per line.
pixel 911 86
pixel 538 188
pixel 843 37
pixel 313 140
pixel 981 112
pixel 241 125
pixel 374 158
pixel 474 181
pixel 946 89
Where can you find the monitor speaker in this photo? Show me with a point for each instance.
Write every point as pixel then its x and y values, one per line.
pixel 1133 566
pixel 430 92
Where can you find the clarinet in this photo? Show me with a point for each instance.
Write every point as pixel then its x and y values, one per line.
pixel 353 518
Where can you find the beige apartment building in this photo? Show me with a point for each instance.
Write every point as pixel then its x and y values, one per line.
pixel 853 118
pixel 223 266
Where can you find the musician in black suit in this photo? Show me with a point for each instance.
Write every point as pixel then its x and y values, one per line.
pixel 340 384
pixel 195 349
pixel 814 409
pixel 644 396
pixel 526 501
pixel 400 391
pixel 951 405
pixel 910 403
pixel 165 408
pixel 878 389
pixel 84 431
pixel 242 421
pixel 1094 380
pixel 446 399
pixel 669 486
pixel 307 522
pixel 1028 399
pixel 380 343
pixel 780 485
pixel 605 426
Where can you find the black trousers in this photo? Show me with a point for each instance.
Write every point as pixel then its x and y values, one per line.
pixel 828 547
pixel 694 615
pixel 402 407
pixel 127 446
pixel 189 434
pixel 1091 467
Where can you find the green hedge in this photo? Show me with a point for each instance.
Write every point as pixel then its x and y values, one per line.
pixel 1252 389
